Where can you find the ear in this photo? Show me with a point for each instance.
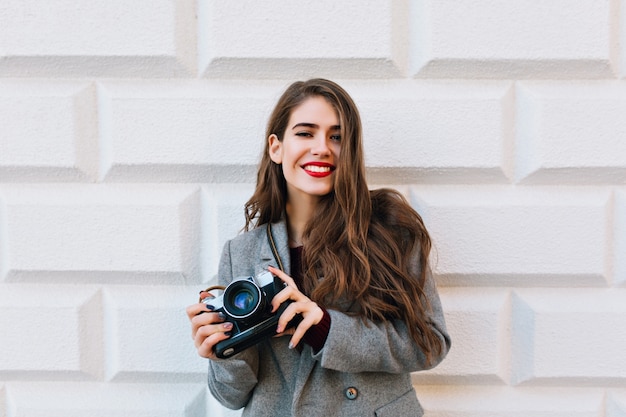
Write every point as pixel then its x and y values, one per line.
pixel 275 149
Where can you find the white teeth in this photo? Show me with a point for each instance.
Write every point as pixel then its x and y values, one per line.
pixel 315 168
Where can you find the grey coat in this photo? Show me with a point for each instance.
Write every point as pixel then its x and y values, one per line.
pixel 362 370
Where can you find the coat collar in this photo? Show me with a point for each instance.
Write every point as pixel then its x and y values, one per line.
pixel 281 240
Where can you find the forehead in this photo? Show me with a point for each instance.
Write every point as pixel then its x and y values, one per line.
pixel 315 110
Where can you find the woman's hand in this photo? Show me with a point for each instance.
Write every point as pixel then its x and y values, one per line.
pixel 312 314
pixel 207 329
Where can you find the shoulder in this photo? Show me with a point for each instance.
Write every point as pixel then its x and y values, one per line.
pixel 250 242
pixel 246 241
pixel 244 255
pixel 251 252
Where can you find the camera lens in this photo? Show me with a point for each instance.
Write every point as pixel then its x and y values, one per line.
pixel 242 299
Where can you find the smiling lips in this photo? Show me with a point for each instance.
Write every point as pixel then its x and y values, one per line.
pixel 318 169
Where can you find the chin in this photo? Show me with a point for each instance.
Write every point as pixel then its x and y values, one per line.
pixel 321 193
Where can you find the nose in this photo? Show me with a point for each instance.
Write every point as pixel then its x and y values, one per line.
pixel 319 147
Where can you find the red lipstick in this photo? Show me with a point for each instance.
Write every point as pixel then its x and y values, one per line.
pixel 318 169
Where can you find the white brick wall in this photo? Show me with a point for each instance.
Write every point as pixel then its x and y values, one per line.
pixel 515 39
pixel 571 127
pixel 129 137
pixel 68 38
pixel 48 131
pixel 298 38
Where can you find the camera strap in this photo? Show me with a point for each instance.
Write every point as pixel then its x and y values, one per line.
pixel 207 293
pixel 270 238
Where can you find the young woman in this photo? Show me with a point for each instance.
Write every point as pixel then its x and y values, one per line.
pixel 356 269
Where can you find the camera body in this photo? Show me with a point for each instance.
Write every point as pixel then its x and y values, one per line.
pixel 246 302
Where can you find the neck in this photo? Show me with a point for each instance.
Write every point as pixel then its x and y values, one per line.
pixel 298 215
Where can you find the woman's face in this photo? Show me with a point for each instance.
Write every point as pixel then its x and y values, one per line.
pixel 309 151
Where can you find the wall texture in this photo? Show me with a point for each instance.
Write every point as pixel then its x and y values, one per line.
pixel 129 136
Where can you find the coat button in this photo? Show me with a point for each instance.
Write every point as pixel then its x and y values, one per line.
pixel 351 393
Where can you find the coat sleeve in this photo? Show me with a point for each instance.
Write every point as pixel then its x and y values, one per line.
pixel 232 380
pixel 358 345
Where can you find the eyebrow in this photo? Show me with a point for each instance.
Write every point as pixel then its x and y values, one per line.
pixel 313 126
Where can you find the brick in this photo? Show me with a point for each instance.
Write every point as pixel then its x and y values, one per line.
pixel 571 133
pixel 223 218
pixel 95 233
pixel 74 399
pixel 148 335
pixel 3 238
pixel 495 235
pixel 513 40
pixel 301 39
pixel 183 131
pixel 556 334
pixel 434 132
pixel 48 131
pixel 619 233
pixel 618 20
pixel 67 327
pixel 477 401
pixel 478 323
pixel 616 403
pixel 69 39
pixel 3 409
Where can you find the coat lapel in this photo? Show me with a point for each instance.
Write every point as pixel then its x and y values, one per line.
pixel 279 234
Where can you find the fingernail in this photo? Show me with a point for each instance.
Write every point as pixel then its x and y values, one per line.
pixel 209 307
pixel 228 333
pixel 221 316
pixel 228 325
pixel 279 329
pixel 291 345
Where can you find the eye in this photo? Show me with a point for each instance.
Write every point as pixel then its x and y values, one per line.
pixel 335 138
pixel 304 134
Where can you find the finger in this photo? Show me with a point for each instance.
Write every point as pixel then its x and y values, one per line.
pixel 306 323
pixel 195 309
pixel 311 317
pixel 287 293
pixel 286 332
pixel 206 346
pixel 208 332
pixel 205 295
pixel 204 320
pixel 290 312
pixel 283 276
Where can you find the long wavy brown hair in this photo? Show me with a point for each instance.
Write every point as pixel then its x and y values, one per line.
pixel 363 243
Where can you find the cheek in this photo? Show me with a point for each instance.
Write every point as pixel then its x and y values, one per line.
pixel 294 153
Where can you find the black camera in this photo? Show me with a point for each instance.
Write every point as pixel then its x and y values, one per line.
pixel 247 303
